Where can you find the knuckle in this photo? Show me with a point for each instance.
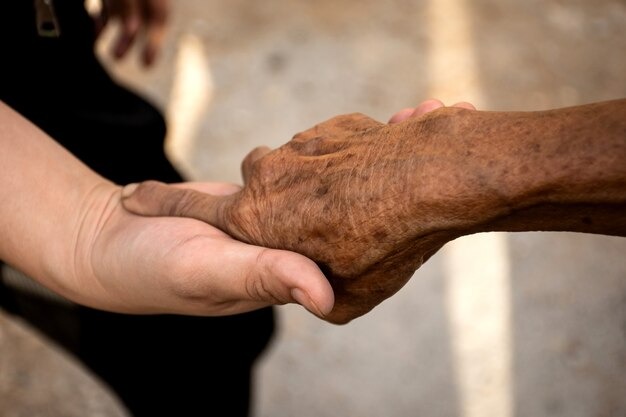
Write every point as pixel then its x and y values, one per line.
pixel 261 166
pixel 359 122
pixel 249 162
pixel 263 170
pixel 244 220
pixel 304 135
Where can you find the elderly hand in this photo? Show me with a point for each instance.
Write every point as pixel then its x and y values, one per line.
pixel 137 17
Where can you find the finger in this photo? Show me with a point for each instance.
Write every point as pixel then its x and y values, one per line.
pixel 155 14
pixel 427 106
pixel 306 283
pixel 261 275
pixel 250 159
pixel 420 110
pixel 100 21
pixel 464 105
pixel 401 115
pixel 152 198
pixel 155 34
pixel 99 16
pixel 214 188
pixel 130 18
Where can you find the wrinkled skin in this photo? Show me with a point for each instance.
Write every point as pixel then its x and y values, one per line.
pixel 370 202
pixel 333 194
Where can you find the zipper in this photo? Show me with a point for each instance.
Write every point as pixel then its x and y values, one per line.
pixel 47 22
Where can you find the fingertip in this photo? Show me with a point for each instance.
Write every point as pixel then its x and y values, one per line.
pixel 427 106
pixel 148 186
pixel 302 298
pixel 319 306
pixel 138 197
pixel 310 287
pixel 320 292
pixel 401 115
pixel 464 105
pixel 129 189
pixel 327 303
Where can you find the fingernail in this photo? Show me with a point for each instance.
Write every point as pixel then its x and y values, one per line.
pixel 129 189
pixel 304 300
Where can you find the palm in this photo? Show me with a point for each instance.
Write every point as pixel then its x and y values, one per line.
pixel 153 261
pixel 185 266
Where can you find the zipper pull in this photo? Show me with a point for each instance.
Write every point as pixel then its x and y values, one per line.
pixel 47 23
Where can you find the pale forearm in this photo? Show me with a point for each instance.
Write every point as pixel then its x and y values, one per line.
pixel 43 192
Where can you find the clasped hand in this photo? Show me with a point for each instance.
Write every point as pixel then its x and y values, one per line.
pixel 319 196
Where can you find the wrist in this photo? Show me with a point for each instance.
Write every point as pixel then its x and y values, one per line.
pixel 69 262
pixel 457 171
pixel 558 170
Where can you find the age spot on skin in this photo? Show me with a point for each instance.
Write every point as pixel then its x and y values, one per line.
pixel 380 235
pixel 322 190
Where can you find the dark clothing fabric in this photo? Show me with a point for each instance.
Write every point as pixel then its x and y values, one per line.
pixel 160 364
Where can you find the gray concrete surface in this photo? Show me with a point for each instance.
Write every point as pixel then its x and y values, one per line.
pixel 521 325
pixel 38 380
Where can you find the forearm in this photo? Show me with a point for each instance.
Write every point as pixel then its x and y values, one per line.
pixel 44 192
pixel 558 170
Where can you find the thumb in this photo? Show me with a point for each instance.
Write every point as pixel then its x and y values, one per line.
pixel 278 277
pixel 153 198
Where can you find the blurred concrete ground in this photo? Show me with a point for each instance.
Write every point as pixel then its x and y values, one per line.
pixel 493 325
pixel 37 379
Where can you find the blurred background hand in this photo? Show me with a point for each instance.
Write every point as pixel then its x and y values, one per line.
pixel 142 21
